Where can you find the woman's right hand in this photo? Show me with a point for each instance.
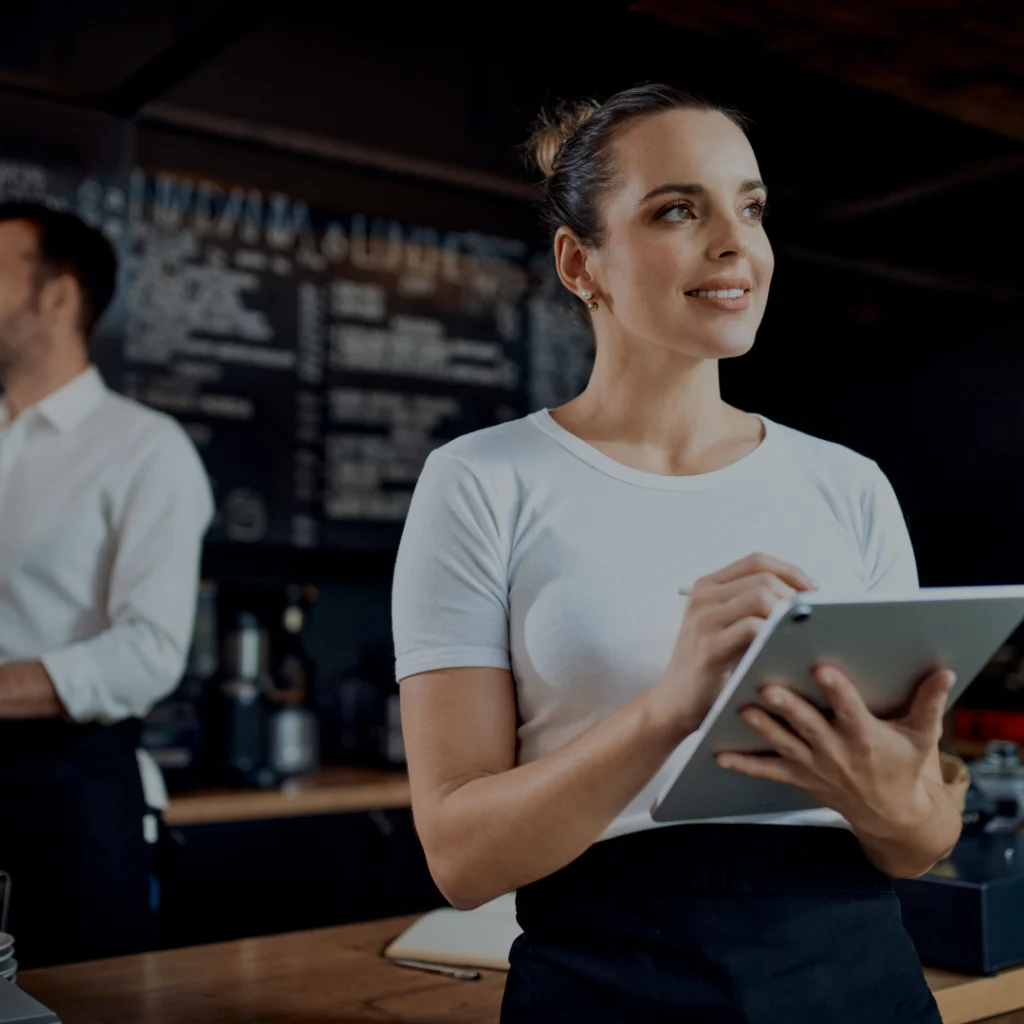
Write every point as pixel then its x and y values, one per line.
pixel 724 613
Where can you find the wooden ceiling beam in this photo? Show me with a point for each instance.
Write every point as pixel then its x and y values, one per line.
pixel 918 191
pixel 912 276
pixel 968 65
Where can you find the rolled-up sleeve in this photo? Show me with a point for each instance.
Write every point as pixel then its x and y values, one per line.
pixel 139 658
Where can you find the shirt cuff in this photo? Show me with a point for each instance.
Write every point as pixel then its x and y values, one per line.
pixel 76 679
pixel 450 657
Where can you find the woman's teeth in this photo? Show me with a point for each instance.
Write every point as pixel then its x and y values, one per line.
pixel 722 293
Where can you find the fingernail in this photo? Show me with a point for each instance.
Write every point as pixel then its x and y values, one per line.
pixel 827 676
pixel 774 697
pixel 813 583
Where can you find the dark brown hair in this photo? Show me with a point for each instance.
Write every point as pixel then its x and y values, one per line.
pixel 67 245
pixel 571 146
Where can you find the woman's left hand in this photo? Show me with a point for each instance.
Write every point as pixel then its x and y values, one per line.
pixel 880 775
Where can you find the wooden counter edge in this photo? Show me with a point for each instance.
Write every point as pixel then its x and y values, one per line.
pixel 964 999
pixel 382 791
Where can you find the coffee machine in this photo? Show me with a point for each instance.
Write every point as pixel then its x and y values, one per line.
pixel 261 727
pixel 237 711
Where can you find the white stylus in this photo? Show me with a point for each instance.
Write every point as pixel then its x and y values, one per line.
pixel 424 965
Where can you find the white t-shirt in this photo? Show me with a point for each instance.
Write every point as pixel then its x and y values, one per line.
pixel 527 549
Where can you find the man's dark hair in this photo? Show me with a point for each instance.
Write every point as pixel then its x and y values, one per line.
pixel 67 245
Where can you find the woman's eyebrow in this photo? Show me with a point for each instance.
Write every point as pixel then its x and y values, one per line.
pixel 693 189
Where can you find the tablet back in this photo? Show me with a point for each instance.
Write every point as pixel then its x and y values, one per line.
pixel 885 645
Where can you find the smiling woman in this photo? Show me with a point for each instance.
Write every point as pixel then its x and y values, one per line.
pixel 549 668
pixel 638 199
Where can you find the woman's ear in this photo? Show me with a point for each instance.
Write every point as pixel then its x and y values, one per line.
pixel 571 263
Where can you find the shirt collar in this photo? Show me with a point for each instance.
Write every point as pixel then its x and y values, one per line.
pixel 70 403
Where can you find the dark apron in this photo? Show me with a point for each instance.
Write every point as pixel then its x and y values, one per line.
pixel 71 810
pixel 716 924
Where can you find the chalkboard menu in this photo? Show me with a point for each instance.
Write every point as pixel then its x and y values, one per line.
pixel 316 357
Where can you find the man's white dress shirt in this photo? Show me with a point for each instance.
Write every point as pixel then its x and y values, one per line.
pixel 103 506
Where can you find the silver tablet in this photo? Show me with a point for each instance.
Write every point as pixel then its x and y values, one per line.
pixel 885 644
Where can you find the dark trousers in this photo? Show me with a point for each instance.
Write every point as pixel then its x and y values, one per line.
pixel 71 809
pixel 716 924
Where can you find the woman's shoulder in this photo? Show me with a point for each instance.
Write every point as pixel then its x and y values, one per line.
pixel 826 458
pixel 483 474
pixel 501 445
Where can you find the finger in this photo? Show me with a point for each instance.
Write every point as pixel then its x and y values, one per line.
pixel 802 717
pixel 731 643
pixel 774 768
pixel 924 719
pixel 782 740
pixel 738 620
pixel 748 604
pixel 852 716
pixel 762 583
pixel 756 563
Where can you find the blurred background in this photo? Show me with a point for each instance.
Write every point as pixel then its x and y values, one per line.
pixel 331 265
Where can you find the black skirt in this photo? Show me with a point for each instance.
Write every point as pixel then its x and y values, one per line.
pixel 716 924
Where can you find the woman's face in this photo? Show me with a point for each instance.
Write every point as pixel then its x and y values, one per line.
pixel 683 217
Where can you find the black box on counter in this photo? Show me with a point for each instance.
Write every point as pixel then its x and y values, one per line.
pixel 967 913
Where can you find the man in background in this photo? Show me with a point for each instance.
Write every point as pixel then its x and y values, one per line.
pixel 103 505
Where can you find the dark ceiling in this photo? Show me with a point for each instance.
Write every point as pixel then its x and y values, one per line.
pixel 889 131
pixel 114 54
pixel 962 59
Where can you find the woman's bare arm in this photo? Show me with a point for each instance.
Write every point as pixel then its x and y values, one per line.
pixel 487 826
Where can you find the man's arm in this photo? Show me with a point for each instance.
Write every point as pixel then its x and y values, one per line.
pixel 125 669
pixel 26 691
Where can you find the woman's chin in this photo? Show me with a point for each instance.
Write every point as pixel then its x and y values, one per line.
pixel 723 345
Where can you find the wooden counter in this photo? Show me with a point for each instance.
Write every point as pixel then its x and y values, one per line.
pixel 332 790
pixel 337 975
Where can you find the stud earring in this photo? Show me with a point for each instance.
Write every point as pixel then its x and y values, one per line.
pixel 587 296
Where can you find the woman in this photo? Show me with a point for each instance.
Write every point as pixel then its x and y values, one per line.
pixel 545 676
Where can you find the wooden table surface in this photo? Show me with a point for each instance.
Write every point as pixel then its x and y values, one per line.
pixel 337 975
pixel 334 789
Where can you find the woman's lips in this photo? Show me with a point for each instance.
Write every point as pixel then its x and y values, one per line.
pixel 728 305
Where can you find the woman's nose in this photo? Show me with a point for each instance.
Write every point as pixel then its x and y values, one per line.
pixel 726 238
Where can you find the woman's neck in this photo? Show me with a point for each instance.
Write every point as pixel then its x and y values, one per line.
pixel 659 412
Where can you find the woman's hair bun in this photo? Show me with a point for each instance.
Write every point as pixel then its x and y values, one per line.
pixel 554 128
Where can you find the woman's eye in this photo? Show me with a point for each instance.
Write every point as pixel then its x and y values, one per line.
pixel 756 209
pixel 677 212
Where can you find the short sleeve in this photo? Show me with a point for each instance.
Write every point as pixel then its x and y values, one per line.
pixel 887 550
pixel 449 600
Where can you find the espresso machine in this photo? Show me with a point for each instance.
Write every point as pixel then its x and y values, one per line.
pixel 237 713
pixel 261 727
